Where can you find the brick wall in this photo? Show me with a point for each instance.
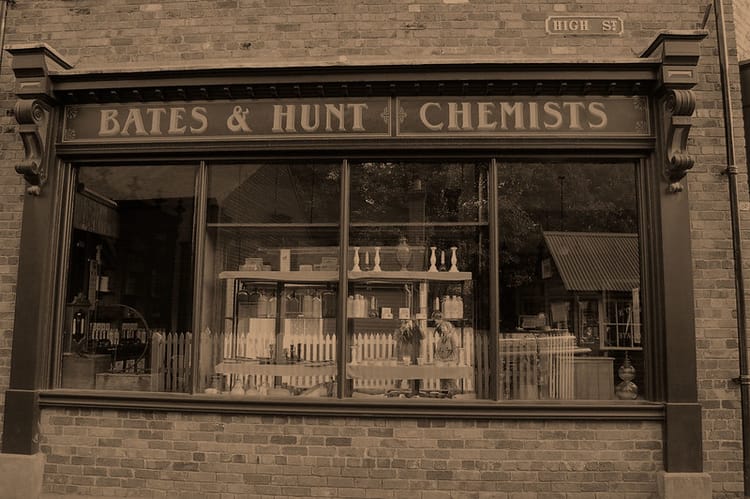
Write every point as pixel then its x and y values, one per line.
pixel 11 206
pixel 715 311
pixel 742 20
pixel 81 446
pixel 96 452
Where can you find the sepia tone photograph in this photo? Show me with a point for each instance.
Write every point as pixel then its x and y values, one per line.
pixel 406 249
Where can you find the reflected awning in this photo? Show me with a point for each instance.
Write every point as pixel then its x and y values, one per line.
pixel 595 261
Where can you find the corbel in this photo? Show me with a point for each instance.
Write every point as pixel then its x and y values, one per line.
pixel 678 53
pixel 32 66
pixel 678 106
pixel 33 117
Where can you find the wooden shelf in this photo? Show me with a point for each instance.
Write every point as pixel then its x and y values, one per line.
pixel 277 276
pixel 332 276
pixel 410 275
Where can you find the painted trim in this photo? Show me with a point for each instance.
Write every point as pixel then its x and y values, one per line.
pixel 580 411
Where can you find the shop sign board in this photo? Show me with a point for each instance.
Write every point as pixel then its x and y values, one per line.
pixel 365 118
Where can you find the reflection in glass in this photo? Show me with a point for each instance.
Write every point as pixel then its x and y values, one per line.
pixel 130 282
pixel 271 265
pixel 418 315
pixel 570 278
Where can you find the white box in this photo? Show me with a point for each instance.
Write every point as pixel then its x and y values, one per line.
pixel 385 313
pixel 285 259
pixel 403 313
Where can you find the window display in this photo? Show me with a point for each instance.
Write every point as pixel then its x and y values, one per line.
pixel 272 265
pixel 570 270
pixel 128 316
pixel 427 221
pixel 362 279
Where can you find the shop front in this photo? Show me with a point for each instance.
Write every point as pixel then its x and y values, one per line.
pixel 497 250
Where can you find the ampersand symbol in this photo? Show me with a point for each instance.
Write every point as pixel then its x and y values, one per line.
pixel 238 121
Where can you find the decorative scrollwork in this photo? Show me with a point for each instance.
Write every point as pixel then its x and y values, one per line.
pixel 33 119
pixel 679 105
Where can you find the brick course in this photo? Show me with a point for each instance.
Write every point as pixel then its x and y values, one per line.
pixel 194 455
pixel 374 457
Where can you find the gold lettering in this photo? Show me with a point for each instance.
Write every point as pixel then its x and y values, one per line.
pixel 484 114
pixel 508 110
pixel 335 111
pixel 575 117
pixel 279 114
pixel 199 114
pixel 305 117
pixel 423 116
pixel 108 124
pixel 533 116
pixel 552 109
pixel 598 110
pixel 135 119
pixel 156 113
pixel 358 111
pixel 464 113
pixel 176 115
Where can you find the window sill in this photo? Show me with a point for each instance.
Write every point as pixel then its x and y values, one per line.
pixel 475 409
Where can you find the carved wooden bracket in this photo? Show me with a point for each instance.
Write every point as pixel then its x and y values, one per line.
pixel 33 119
pixel 678 52
pixel 678 110
pixel 32 65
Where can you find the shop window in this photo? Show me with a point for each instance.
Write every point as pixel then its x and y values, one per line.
pixel 129 307
pixel 405 312
pixel 569 277
pixel 422 328
pixel 271 274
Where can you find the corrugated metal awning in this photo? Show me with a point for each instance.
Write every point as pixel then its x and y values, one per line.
pixel 595 261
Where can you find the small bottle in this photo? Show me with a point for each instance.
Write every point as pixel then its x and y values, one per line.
pixel 359 306
pixel 272 305
pixel 262 305
pixel 292 305
pixel 317 306
pixel 444 307
pixel 307 305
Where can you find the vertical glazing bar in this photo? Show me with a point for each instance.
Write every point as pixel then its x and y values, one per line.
pixel 66 223
pixel 494 235
pixel 341 324
pixel 199 247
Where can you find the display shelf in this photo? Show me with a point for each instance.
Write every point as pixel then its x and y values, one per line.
pixel 277 276
pixel 332 276
pixel 409 275
pixel 254 367
pixel 382 370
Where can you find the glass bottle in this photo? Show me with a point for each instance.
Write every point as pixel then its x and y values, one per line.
pixel 317 305
pixel 307 305
pixel 262 305
pixel 403 253
pixel 272 304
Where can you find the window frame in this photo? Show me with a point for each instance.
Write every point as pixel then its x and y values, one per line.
pixel 296 406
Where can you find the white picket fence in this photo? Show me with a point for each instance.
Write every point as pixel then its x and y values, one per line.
pixel 171 361
pixel 537 367
pixel 310 342
pixel 532 366
pixel 381 347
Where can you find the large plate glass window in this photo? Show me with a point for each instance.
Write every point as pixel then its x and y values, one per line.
pixel 417 304
pixel 128 313
pixel 570 308
pixel 268 326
